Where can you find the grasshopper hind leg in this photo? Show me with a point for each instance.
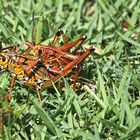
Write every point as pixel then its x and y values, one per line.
pixel 57 35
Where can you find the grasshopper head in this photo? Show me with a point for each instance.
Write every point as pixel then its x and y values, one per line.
pixel 4 59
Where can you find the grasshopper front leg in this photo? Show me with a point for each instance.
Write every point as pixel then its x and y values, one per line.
pixel 8 97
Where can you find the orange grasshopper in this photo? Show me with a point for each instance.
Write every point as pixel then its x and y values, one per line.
pixel 45 53
pixel 39 76
pixel 46 66
pixel 57 54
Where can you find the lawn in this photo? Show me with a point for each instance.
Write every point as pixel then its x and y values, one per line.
pixel 107 103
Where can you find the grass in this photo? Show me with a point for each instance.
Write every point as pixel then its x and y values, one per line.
pixel 112 110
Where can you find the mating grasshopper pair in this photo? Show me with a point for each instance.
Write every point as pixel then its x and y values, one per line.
pixel 39 65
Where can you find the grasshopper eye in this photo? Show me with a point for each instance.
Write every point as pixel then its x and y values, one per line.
pixel 3 58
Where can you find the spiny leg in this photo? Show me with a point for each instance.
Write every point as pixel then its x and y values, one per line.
pixel 75 75
pixel 7 48
pixel 28 50
pixel 78 61
pixel 31 47
pixel 35 63
pixel 58 34
pixel 67 47
pixel 38 94
pixel 64 38
pixel 76 51
pixel 8 97
pixel 37 83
